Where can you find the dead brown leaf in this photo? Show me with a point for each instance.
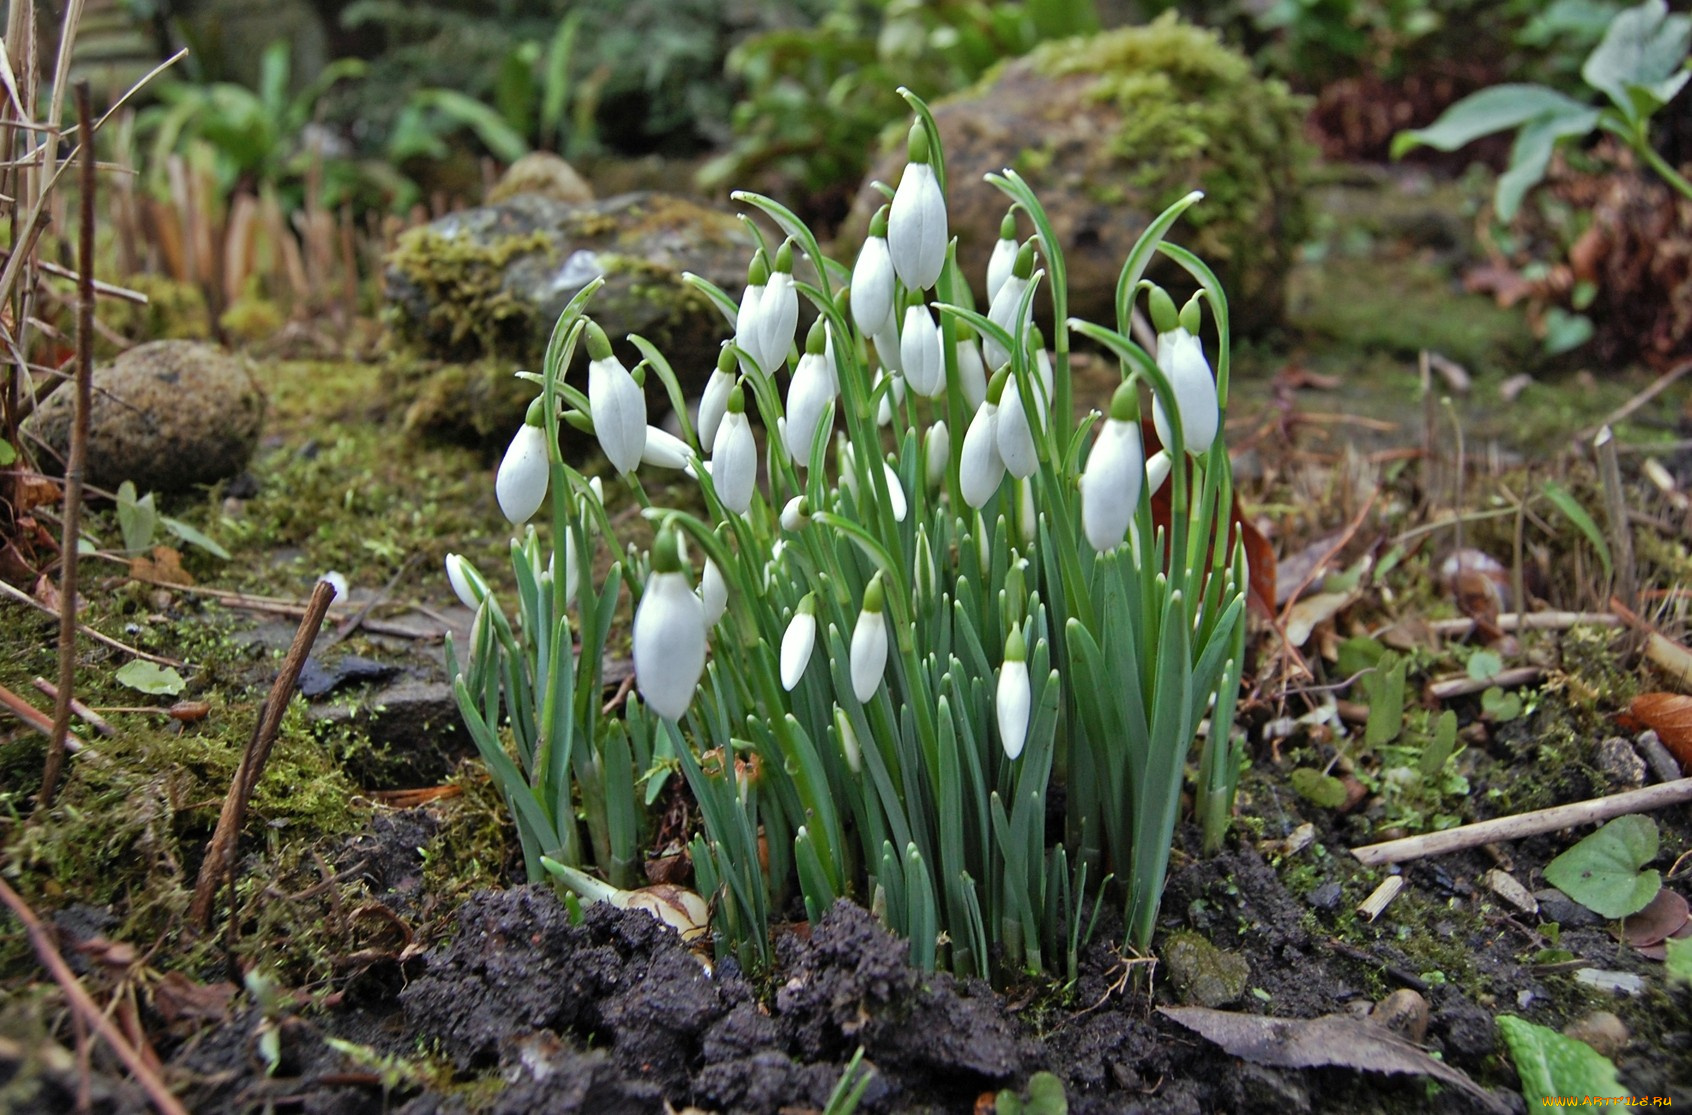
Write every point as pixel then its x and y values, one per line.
pixel 1670 716
pixel 1663 917
pixel 162 566
pixel 180 999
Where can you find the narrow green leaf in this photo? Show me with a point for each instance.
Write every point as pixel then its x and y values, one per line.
pixel 1565 502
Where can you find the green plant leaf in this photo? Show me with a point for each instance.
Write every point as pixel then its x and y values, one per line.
pixel 151 678
pixel 1550 1064
pixel 1386 701
pixel 1643 46
pixel 194 536
pixel 1531 154
pixel 1484 664
pixel 8 454
pixel 1491 110
pixel 1569 506
pixel 1439 748
pixel 1320 789
pixel 137 519
pixel 1678 962
pixel 1603 871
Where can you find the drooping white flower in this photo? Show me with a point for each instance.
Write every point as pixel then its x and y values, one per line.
pixel 798 641
pixel 869 643
pixel 916 221
pixel 980 468
pixel 936 453
pixel 894 397
pixel 1110 484
pixel 1180 355
pixel 749 322
pixel 920 355
pixel 713 402
pixel 872 280
pixel 524 471
pixel 808 395
pixel 1013 699
pixel 1016 433
pixel 713 593
pixel 1157 470
pixel 895 492
pixel 734 457
pixel 617 402
pixel 471 588
pixel 668 634
pixel 796 513
pixel 1007 304
pixel 999 264
pixel 664 450
pixel 972 370
pixel 778 312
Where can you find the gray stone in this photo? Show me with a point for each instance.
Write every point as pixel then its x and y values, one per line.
pixel 1202 974
pixel 169 415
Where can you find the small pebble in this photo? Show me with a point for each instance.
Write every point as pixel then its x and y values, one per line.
pixel 1602 1030
pixel 1405 1013
pixel 1620 764
pixel 1326 897
pixel 1556 906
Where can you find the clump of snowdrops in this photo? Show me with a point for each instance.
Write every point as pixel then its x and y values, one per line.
pixel 928 599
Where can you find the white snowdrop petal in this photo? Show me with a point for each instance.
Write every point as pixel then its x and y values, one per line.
pixel 1011 705
pixel 713 404
pixel 669 644
pixel 796 646
pixel 713 593
pixel 972 373
pixel 980 468
pixel 1000 265
pixel 619 413
pixel 523 474
pixel 919 353
pixel 869 654
pixel 467 583
pixel 1110 484
pixel 664 450
pixel 895 493
pixel 872 287
pixel 734 463
pixel 916 227
pixel 1016 439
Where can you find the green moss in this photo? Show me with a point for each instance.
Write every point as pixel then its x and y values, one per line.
pixel 174 311
pixel 463 286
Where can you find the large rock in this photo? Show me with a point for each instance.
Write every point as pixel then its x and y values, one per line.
pixel 481 290
pixel 168 415
pixel 1111 129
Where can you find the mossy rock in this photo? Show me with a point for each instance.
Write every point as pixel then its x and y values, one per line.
pixel 1109 130
pixel 490 282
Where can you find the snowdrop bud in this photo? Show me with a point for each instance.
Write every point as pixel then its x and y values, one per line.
pixel 972 370
pixel 1195 391
pixel 1014 698
pixel 1157 470
pixel 1110 484
pixel 916 222
pixel 466 582
pixel 572 573
pixel 778 312
pixel 980 467
pixel 872 280
pixel 796 514
pixel 808 396
pixel 523 473
pixel 1003 258
pixel 617 402
pixel 338 582
pixel 1162 309
pixel 664 449
pixel 1016 433
pixel 713 593
pixel 748 323
pixel 798 642
pixel 1192 314
pixel 734 456
pixel 848 741
pixel 869 643
pixel 895 492
pixel 714 402
pixel 919 352
pixel 1026 518
pixel 936 453
pixel 926 575
pixel 1002 311
pixel 668 634
pixel 894 397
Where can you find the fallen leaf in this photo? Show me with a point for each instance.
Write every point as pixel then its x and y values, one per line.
pixel 1670 716
pixel 162 566
pixel 180 999
pixel 1313 610
pixel 1661 918
pixel 1333 1040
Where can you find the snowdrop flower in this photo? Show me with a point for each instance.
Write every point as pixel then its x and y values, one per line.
pixel 338 582
pixel 813 387
pixel 713 593
pixel 1157 470
pixel 894 397
pixel 895 492
pixel 572 576
pixel 796 513
pixel 936 453
pixel 980 467
pixel 798 641
pixel 972 370
pixel 925 587
pixel 778 312
pixel 916 222
pixel 872 280
pixel 1003 258
pixel 1002 311
pixel 734 456
pixel 1013 698
pixel 1110 484
pixel 748 323
pixel 664 450
pixel 669 633
pixel 523 473
pixel 466 582
pixel 713 403
pixel 920 357
pixel 617 402
pixel 848 741
pixel 1015 432
pixel 1180 356
pixel 869 643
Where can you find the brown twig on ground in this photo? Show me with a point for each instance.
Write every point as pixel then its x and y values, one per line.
pixel 1663 383
pixel 24 598
pixel 1525 824
pixel 1527 621
pixel 90 717
pixel 35 718
pixel 1615 507
pixel 84 1007
pixel 276 605
pixel 1464 685
pixel 220 852
pixel 84 402
pixel 361 617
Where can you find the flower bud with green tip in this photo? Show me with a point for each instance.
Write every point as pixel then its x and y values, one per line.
pixel 1110 484
pixel 916 221
pixel 808 395
pixel 848 741
pixel 669 633
pixel 778 311
pixel 617 402
pixel 1013 699
pixel 713 403
pixel 936 453
pixel 1003 259
pixel 525 470
pixel 972 370
pixel 798 641
pixel 869 643
pixel 1016 433
pixel 734 456
pixel 980 467
pixel 1003 309
pixel 664 450
pixel 713 593
pixel 749 322
pixel 920 356
pixel 471 588
pixel 796 513
pixel 872 280
pixel 1181 357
